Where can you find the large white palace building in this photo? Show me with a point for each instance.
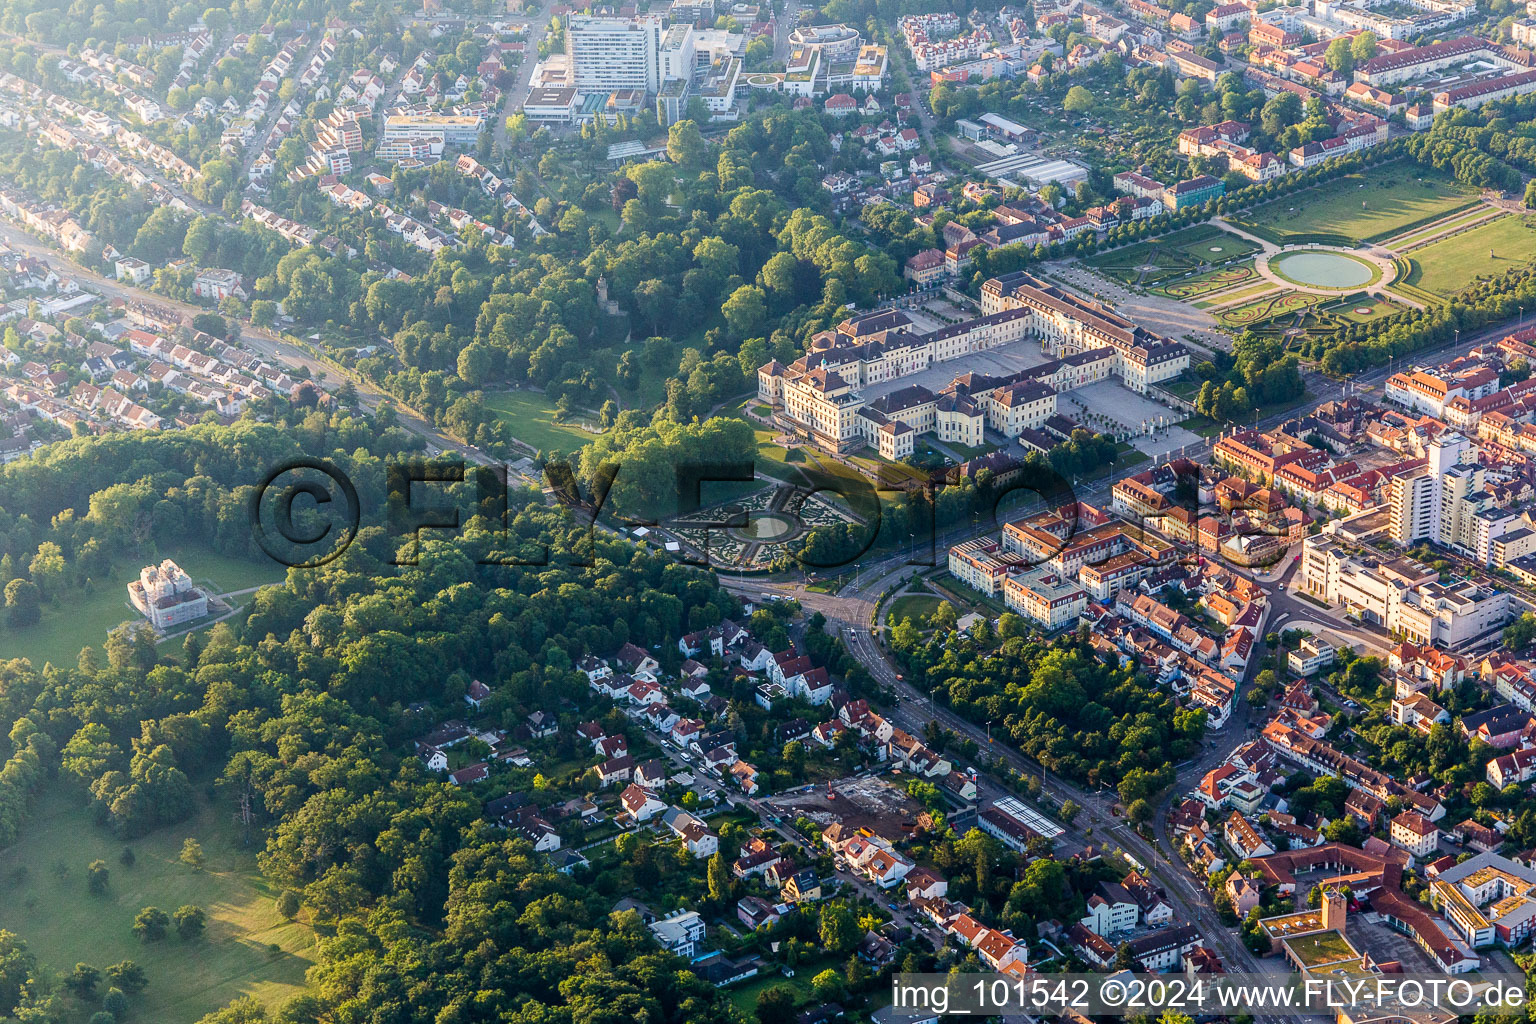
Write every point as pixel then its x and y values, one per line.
pixel 818 397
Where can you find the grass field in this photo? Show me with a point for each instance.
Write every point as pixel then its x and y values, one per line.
pixel 47 903
pixel 1453 264
pixel 80 618
pixel 1205 284
pixel 1419 235
pixel 1228 298
pixel 530 417
pixel 772 458
pixel 912 606
pixel 744 996
pixel 1374 307
pixel 1389 200
pixel 1321 948
pixel 1267 308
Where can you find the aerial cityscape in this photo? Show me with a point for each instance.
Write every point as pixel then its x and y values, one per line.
pixel 707 511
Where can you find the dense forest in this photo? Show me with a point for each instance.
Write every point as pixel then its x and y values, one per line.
pixel 304 707
pixel 1057 702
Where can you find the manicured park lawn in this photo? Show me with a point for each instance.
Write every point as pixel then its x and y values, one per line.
pixel 1372 307
pixel 773 459
pixel 1419 235
pixel 1267 308
pixel 46 902
pixel 530 417
pixel 1204 284
pixel 1363 207
pixel 80 618
pixel 1228 298
pixel 1454 264
pixel 1171 255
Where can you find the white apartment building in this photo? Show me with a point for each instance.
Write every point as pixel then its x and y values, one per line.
pixel 1046 597
pixel 456 129
pixel 1444 503
pixel 1406 598
pixel 1416 834
pixel 615 53
pixel 679 933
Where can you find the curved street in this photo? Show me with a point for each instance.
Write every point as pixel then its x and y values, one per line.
pixel 850 615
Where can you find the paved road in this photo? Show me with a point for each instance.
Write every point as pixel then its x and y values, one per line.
pixel 850 614
pixel 787 24
pixel 269 119
pixel 517 92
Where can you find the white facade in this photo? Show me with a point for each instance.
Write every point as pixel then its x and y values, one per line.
pixel 615 53
pixel 166 596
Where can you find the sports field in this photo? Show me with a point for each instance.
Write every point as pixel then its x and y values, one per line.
pixel 1453 264
pixel 47 903
pixel 1268 308
pixel 1205 284
pixel 1361 207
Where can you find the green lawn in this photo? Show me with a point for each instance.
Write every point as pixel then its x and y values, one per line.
pixel 912 606
pixel 530 417
pixel 46 902
pixel 1204 284
pixel 1414 237
pixel 1267 308
pixel 1363 207
pixel 1453 264
pixel 744 995
pixel 1321 948
pixel 1201 425
pixel 773 458
pixel 1171 255
pixel 80 618
pixel 1245 292
pixel 1374 309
